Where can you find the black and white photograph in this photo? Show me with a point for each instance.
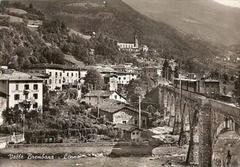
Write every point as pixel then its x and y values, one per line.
pixel 119 83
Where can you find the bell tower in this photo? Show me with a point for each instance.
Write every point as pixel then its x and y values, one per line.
pixel 136 43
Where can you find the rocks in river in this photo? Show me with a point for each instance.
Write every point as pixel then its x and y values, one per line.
pixel 92 155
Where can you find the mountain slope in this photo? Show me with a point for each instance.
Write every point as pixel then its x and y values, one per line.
pixel 119 21
pixel 206 19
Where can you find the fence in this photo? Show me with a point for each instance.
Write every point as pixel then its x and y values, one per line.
pixel 11 139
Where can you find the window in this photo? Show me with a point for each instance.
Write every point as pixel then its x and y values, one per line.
pixel 72 74
pixel 124 78
pixel 115 96
pixel 35 96
pixel 137 133
pixel 60 74
pixel 60 81
pixel 35 87
pixel 50 81
pixel 133 133
pixel 136 122
pixel 35 105
pixel 16 106
pixel 67 74
pixel 124 122
pixel 26 87
pixel 56 74
pixel 144 122
pixel 16 97
pixel 17 86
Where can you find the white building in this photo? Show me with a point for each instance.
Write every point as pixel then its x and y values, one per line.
pixel 59 75
pixel 17 87
pixel 71 76
pixel 129 46
pixel 125 77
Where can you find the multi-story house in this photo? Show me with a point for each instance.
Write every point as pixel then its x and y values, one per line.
pixel 96 97
pixel 71 76
pixel 17 87
pixel 112 82
pixel 152 71
pixel 125 77
pixel 120 113
pixel 59 75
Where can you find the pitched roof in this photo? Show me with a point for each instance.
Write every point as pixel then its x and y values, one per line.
pixel 54 66
pixel 12 75
pixel 126 127
pixel 99 93
pixel 113 106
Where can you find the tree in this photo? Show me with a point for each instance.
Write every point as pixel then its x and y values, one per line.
pixel 166 70
pixel 94 80
pixel 225 78
pixel 237 87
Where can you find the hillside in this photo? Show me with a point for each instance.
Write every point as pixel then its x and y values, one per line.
pixel 205 19
pixel 53 42
pixel 119 21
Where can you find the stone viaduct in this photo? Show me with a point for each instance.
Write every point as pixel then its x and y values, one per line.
pixel 202 117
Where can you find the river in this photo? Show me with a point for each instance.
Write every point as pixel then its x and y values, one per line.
pixel 86 162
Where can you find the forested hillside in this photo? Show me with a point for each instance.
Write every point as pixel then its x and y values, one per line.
pixel 22 47
pixel 119 21
pixel 114 20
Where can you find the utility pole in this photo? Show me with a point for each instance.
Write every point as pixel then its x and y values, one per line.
pixel 24 125
pixel 98 99
pixel 140 114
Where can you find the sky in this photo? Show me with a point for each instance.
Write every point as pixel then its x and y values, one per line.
pixel 231 3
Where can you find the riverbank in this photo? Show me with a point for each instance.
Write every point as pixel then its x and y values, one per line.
pixel 93 162
pixel 84 150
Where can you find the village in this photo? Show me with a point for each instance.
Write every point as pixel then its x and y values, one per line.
pixel 102 88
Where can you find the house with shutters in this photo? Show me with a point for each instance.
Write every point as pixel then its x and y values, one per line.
pixel 18 87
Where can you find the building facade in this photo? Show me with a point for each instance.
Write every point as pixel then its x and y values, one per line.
pixel 129 46
pixel 17 87
pixel 59 75
pixel 125 77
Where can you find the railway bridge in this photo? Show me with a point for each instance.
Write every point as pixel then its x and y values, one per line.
pixel 204 118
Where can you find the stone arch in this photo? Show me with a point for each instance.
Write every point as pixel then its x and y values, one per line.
pixel 227 124
pixel 220 146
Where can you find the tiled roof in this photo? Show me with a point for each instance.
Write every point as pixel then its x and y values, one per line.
pixel 13 75
pixel 113 106
pixel 41 75
pixel 99 93
pixel 54 66
pixel 126 127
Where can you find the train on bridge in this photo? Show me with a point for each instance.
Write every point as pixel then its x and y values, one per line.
pixel 206 87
